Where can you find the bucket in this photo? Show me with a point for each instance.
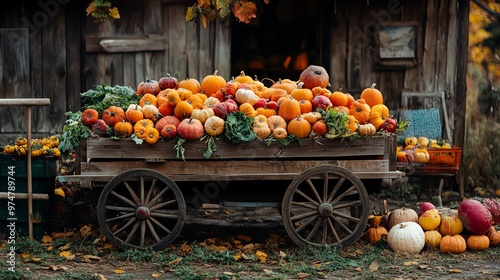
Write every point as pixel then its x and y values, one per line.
pixel 43 174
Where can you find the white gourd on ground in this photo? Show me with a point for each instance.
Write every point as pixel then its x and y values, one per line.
pixel 406 237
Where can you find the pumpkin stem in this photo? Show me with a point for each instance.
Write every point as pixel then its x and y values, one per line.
pixel 215 72
pixel 386 208
pixel 300 84
pixel 242 73
pixel 373 85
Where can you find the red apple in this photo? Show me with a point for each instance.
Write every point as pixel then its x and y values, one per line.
pixel 261 103
pixel 168 82
pixel 272 105
pixel 321 101
pixel 424 206
pixel 389 125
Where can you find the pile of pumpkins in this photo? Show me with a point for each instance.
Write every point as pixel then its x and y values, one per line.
pixel 439 228
pixel 415 149
pixel 168 108
pixel 46 146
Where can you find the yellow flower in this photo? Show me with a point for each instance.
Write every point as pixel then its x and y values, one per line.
pixel 113 12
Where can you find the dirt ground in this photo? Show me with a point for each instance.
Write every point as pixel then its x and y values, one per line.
pixel 263 229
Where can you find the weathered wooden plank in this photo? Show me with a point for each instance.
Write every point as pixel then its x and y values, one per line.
pixel 222 49
pixel 74 61
pixel 179 34
pixel 125 44
pixel 451 61
pixel 429 59
pixel 24 102
pixel 338 50
pixel 15 77
pixel 442 45
pixel 103 148
pixel 54 66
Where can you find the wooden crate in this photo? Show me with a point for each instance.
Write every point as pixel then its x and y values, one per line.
pixel 368 158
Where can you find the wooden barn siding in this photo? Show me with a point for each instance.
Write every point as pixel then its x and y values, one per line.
pixel 353 64
pixel 46 58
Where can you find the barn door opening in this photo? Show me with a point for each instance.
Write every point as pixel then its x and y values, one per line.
pixel 286 37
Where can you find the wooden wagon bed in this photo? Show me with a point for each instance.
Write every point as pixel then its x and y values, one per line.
pixel 325 201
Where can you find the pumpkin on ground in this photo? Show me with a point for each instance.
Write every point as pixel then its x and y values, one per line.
pixel 454 244
pixel 402 215
pixel 375 234
pixel 450 223
pixel 433 238
pixel 494 236
pixel 430 219
pixel 478 242
pixel 406 237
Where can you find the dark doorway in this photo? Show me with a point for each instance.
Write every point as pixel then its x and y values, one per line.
pixel 286 37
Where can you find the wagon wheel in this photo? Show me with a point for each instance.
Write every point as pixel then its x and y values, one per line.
pixel 141 208
pixel 325 205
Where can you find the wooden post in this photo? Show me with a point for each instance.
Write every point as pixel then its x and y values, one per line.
pixel 28 102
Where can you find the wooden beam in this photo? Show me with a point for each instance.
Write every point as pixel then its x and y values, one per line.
pixel 24 102
pixel 125 44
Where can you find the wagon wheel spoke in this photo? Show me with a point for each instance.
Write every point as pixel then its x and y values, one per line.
pixel 124 199
pixel 153 231
pixel 164 215
pixel 325 231
pixel 141 208
pixel 163 204
pixel 346 193
pixel 314 191
pixel 335 189
pixel 325 187
pixel 132 193
pixel 332 229
pixel 306 224
pixel 133 231
pixel 141 191
pixel 143 233
pixel 337 221
pixel 304 205
pixel 157 197
pixel 313 230
pixel 131 221
pixel 308 198
pixel 305 215
pixel 150 191
pixel 325 205
pixel 128 215
pixel 159 224
pixel 119 208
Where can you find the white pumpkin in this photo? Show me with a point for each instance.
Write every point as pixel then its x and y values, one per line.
pixel 246 96
pixel 406 237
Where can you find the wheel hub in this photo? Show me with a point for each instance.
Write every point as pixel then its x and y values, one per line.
pixel 325 210
pixel 142 212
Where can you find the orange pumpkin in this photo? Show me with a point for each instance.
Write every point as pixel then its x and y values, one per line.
pixel 274 94
pixel 123 129
pixel 168 132
pixel 454 244
pixel 248 109
pixel 494 236
pixel 242 78
pixel 262 130
pixel 289 108
pixel 302 93
pixel 338 98
pixel 372 96
pixel 280 133
pixel 478 242
pixel 288 86
pixel 360 110
pixel 305 106
pixel 214 126
pixel 352 123
pixel 276 121
pixel 134 113
pixel 112 115
pixel 183 110
pixel 152 135
pixel 299 127
pixel 166 121
pixel 312 117
pixel 375 234
pixel 314 76
pixel 190 84
pixel 433 238
pixel 202 114
pixel 190 129
pixel 265 111
pixel 148 86
pixel 378 114
pixel 319 127
pixel 212 83
pixel 148 99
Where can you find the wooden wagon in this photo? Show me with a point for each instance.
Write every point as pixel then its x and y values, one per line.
pixel 319 185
